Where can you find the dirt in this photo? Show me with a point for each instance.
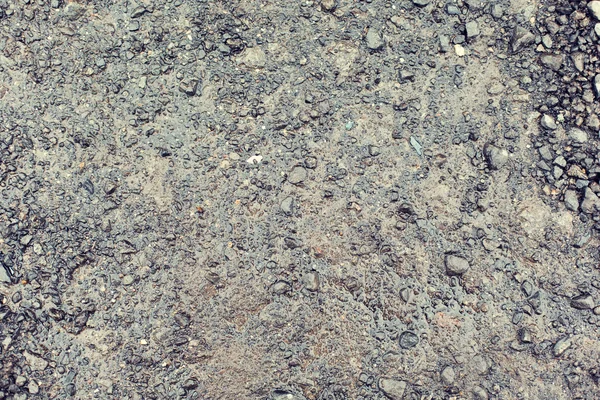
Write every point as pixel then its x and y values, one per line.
pixel 299 200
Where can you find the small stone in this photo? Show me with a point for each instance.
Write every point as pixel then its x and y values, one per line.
pixel 583 302
pixel 297 175
pixel 480 393
pixel 578 136
pixel 497 11
pixel 392 388
pixel 4 276
pixel 579 61
pixel 594 7
pixel 548 122
pixel 597 84
pixel 456 265
pixel 281 287
pixel 459 50
pixel 444 43
pixel 128 280
pixel 25 240
pixel 452 9
pixel 597 29
pixel 472 29
pixel 495 156
pixel 73 11
pixel 328 5
pixel 35 362
pixel 547 41
pixel 552 61
pixel 448 375
pixel 408 340
pixel 593 122
pixel 571 200
pixel 20 381
pixel 287 205
pixel 421 3
pixel 33 387
pixel 561 346
pixel 596 310
pixel 416 145
pixel 16 297
pixel 253 57
pixel 521 37
pixel 189 87
pixel 311 281
pixel 374 39
pixel 138 12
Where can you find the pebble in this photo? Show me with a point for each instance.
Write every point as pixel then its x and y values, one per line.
pixel 287 205
pixel 583 302
pixel 128 280
pixel 561 346
pixel 591 202
pixel 548 122
pixel 36 363
pixel 297 175
pixel 571 200
pixel 4 277
pixel 497 11
pixel 374 39
pixel 451 9
pixel 521 37
pixel 456 265
pixel 459 50
pixel 189 87
pixel 408 340
pixel 328 5
pixel 392 388
pixel 578 60
pixel 597 84
pixel 444 43
pixel 281 287
pixel 578 136
pixel 552 61
pixel 253 57
pixel 448 375
pixel 594 7
pixel 495 156
pixel 33 387
pixel 311 281
pixel 472 29
pixel 416 145
pixel 597 29
pixel 480 393
pixel 421 3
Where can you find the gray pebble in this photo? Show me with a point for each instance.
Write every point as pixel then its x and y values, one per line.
pixel 393 389
pixel 311 281
pixel 408 340
pixel 287 205
pixel 497 11
pixel 594 7
pixel 4 277
pixel 33 387
pixel 552 61
pixel 421 3
pixel 444 43
pixel 297 175
pixel 571 200
pixel 578 136
pixel 583 302
pixel 451 9
pixel 591 202
pixel 561 346
pixel 448 375
pixel 548 122
pixel 456 265
pixel 597 83
pixel 496 157
pixel 374 39
pixel 128 280
pixel 472 29
pixel 521 38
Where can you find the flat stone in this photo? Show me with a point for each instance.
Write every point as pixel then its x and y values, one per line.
pixel 253 57
pixel 189 87
pixel 311 281
pixel 421 3
pixel 456 265
pixel 393 389
pixel 444 43
pixel 328 5
pixel 128 280
pixel 578 60
pixel 597 84
pixel 561 346
pixel 4 276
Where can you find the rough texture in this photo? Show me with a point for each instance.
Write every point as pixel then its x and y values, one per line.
pixel 312 200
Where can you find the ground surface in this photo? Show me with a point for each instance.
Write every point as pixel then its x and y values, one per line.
pixel 299 200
